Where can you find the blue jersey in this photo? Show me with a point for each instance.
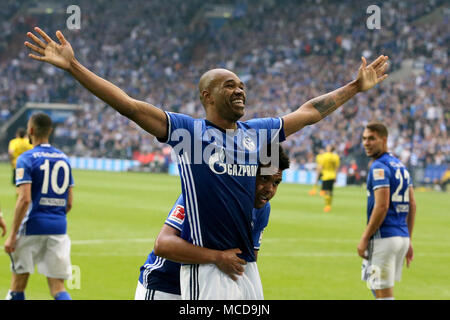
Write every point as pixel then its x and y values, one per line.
pixel 260 220
pixel 49 172
pixel 164 275
pixel 218 171
pixel 161 274
pixel 388 171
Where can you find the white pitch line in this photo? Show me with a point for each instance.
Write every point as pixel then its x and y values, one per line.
pixel 265 240
pixel 328 240
pixel 310 254
pixel 107 254
pixel 104 241
pixel 333 240
pixel 267 254
pixel 342 254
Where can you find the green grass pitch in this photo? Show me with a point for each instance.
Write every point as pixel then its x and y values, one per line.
pixel 305 253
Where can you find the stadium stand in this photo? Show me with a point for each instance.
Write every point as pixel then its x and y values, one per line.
pixel 285 52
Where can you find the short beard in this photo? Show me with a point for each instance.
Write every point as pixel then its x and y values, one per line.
pixel 231 116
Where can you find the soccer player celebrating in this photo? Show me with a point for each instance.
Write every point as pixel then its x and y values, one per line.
pixel 38 233
pixel 217 156
pixel 391 211
pixel 160 276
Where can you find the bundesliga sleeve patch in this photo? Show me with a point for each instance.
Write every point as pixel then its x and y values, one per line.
pixel 19 173
pixel 378 174
pixel 177 214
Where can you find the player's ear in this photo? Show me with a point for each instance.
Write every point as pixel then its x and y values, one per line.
pixel 206 98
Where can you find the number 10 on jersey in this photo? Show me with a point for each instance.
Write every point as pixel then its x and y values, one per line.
pixel 52 177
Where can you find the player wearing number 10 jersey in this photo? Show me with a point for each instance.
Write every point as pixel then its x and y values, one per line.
pixel 391 209
pixel 38 234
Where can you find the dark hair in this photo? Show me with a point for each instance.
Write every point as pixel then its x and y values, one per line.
pixel 379 128
pixel 283 159
pixel 42 124
pixel 21 132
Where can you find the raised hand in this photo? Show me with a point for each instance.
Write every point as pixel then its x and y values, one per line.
pixel 58 54
pixel 369 76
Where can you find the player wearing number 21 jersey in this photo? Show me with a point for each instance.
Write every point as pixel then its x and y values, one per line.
pixel 38 234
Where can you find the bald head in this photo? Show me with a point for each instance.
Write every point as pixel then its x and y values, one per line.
pixel 210 78
pixel 223 96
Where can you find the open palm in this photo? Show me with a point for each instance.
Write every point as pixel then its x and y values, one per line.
pixel 369 76
pixel 60 55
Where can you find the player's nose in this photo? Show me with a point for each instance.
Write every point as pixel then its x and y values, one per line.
pixel 239 91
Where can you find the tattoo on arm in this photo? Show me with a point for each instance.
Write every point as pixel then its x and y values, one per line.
pixel 329 102
pixel 324 105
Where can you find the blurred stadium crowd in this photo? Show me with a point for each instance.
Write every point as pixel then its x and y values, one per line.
pixel 286 52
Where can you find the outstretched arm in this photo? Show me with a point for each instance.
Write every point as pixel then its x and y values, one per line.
pixel 318 108
pixel 171 246
pixel 61 55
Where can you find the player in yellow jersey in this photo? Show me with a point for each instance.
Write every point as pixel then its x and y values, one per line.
pixel 329 164
pixel 445 179
pixel 313 191
pixel 16 147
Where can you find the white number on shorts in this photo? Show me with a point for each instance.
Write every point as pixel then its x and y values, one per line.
pixel 397 197
pixel 53 178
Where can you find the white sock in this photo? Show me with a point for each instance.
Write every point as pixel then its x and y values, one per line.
pixel 387 298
